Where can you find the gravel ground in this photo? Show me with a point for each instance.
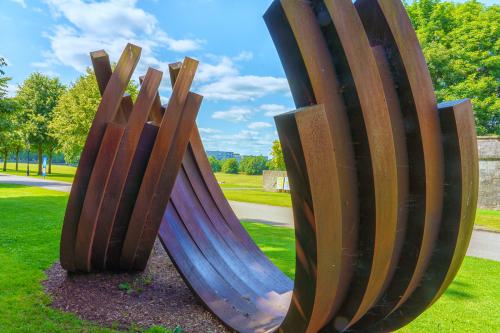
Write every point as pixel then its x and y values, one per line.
pixel 157 296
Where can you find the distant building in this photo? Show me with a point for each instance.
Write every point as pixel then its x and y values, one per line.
pixel 223 155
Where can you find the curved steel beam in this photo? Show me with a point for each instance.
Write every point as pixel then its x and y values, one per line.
pixel 384 187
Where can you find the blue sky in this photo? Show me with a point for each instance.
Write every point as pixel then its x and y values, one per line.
pixel 240 74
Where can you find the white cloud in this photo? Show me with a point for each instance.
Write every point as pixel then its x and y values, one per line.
pixel 208 130
pixel 207 72
pixel 108 25
pixel 20 2
pixel 235 114
pixel 244 56
pixel 184 45
pixel 259 125
pixel 272 110
pixel 244 88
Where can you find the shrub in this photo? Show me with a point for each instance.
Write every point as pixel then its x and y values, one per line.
pixel 215 164
pixel 253 165
pixel 230 166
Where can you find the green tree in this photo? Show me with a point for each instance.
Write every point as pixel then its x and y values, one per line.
pixel 4 80
pixel 277 162
pixel 38 96
pixel 9 124
pixel 253 165
pixel 215 164
pixel 461 44
pixel 230 166
pixel 11 130
pixel 75 112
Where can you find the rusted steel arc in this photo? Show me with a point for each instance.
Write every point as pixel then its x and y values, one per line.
pixel 263 271
pixel 325 87
pixel 166 181
pixel 113 217
pixel 93 198
pixel 210 256
pixel 381 147
pixel 103 195
pixel 387 25
pixel 460 199
pixel 103 72
pixel 388 21
pixel 105 114
pixel 318 148
pixel 111 257
pixel 365 74
pixel 217 198
pixel 156 113
pixel 162 145
pixel 357 122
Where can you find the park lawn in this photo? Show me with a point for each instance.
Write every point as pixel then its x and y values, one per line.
pixel 490 219
pixel 63 173
pixel 30 224
pixel 469 305
pixel 239 180
pixel 30 227
pixel 259 197
pixel 240 187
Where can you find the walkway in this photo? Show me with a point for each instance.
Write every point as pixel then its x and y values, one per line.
pixel 484 244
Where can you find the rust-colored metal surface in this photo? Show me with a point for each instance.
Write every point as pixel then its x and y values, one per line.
pixel 383 180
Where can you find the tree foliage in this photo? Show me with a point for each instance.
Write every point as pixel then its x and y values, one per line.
pixel 215 164
pixel 253 165
pixel 74 113
pixel 10 124
pixel 277 162
pixel 4 80
pixel 230 166
pixel 37 97
pixel 461 45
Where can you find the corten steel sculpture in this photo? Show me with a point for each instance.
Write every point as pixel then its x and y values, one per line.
pixel 383 180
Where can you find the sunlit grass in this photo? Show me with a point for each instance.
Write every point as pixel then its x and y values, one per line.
pixel 240 187
pixel 490 219
pixel 469 305
pixel 30 228
pixel 63 173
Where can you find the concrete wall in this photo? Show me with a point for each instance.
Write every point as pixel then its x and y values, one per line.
pixel 269 179
pixel 489 174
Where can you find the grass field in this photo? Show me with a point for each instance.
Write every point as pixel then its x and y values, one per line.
pixel 30 226
pixel 469 304
pixel 242 188
pixel 63 173
pixel 30 223
pixel 490 219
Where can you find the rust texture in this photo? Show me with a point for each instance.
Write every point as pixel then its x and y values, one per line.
pixel 384 181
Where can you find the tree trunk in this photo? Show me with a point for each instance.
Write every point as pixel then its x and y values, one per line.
pixel 50 161
pixel 17 159
pixel 5 153
pixel 28 165
pixel 40 157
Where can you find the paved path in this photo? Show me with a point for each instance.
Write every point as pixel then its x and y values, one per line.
pixel 484 244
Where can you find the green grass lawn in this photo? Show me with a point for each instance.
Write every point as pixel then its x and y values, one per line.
pixel 490 219
pixel 239 181
pixel 469 305
pixel 30 224
pixel 242 188
pixel 63 173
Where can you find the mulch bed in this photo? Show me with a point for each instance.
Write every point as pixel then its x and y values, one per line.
pixel 157 296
